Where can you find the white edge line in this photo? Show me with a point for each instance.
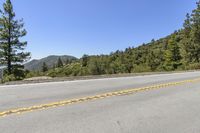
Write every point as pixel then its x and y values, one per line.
pixel 83 80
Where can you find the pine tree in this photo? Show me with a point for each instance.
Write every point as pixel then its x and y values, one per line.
pixel 195 33
pixel 172 55
pixel 59 63
pixel 151 61
pixel 84 60
pixel 11 48
pixel 186 47
pixel 44 67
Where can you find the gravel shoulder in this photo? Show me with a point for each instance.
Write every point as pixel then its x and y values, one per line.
pixel 45 79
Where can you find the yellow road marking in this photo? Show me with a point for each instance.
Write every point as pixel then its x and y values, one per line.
pixel 89 98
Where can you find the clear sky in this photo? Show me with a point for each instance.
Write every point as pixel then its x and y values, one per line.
pixel 77 27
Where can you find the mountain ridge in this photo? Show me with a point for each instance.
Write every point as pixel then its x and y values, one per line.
pixel 51 61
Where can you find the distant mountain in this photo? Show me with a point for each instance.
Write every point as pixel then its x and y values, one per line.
pixel 36 65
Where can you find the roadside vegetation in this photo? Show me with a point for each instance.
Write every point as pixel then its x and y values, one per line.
pixel 178 51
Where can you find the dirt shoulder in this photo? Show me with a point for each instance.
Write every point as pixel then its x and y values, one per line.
pixel 45 79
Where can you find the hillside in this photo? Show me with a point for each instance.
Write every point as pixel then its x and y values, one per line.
pixel 177 51
pixel 36 65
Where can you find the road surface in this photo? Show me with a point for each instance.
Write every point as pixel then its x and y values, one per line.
pixel 169 108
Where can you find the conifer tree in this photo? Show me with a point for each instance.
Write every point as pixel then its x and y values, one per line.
pixel 195 33
pixel 186 47
pixel 84 60
pixel 44 67
pixel 11 48
pixel 172 54
pixel 59 63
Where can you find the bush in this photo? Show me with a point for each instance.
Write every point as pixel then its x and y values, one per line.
pixel 194 66
pixel 8 78
pixel 52 73
pixel 74 69
pixel 19 74
pixel 141 68
pixel 33 74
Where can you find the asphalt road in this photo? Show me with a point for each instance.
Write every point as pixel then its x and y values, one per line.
pixel 174 109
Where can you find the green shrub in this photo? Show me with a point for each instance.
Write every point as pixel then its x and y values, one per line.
pixel 141 68
pixel 19 74
pixel 52 73
pixel 8 78
pixel 194 66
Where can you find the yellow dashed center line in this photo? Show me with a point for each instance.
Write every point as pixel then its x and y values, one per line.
pixel 90 98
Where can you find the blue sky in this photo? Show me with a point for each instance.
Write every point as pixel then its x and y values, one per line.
pixel 77 27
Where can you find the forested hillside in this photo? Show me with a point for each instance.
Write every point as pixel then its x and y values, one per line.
pixel 178 51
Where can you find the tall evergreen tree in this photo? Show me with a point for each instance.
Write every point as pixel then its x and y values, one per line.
pixel 151 61
pixel 59 63
pixel 186 47
pixel 172 54
pixel 195 33
pixel 85 60
pixel 44 67
pixel 11 48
